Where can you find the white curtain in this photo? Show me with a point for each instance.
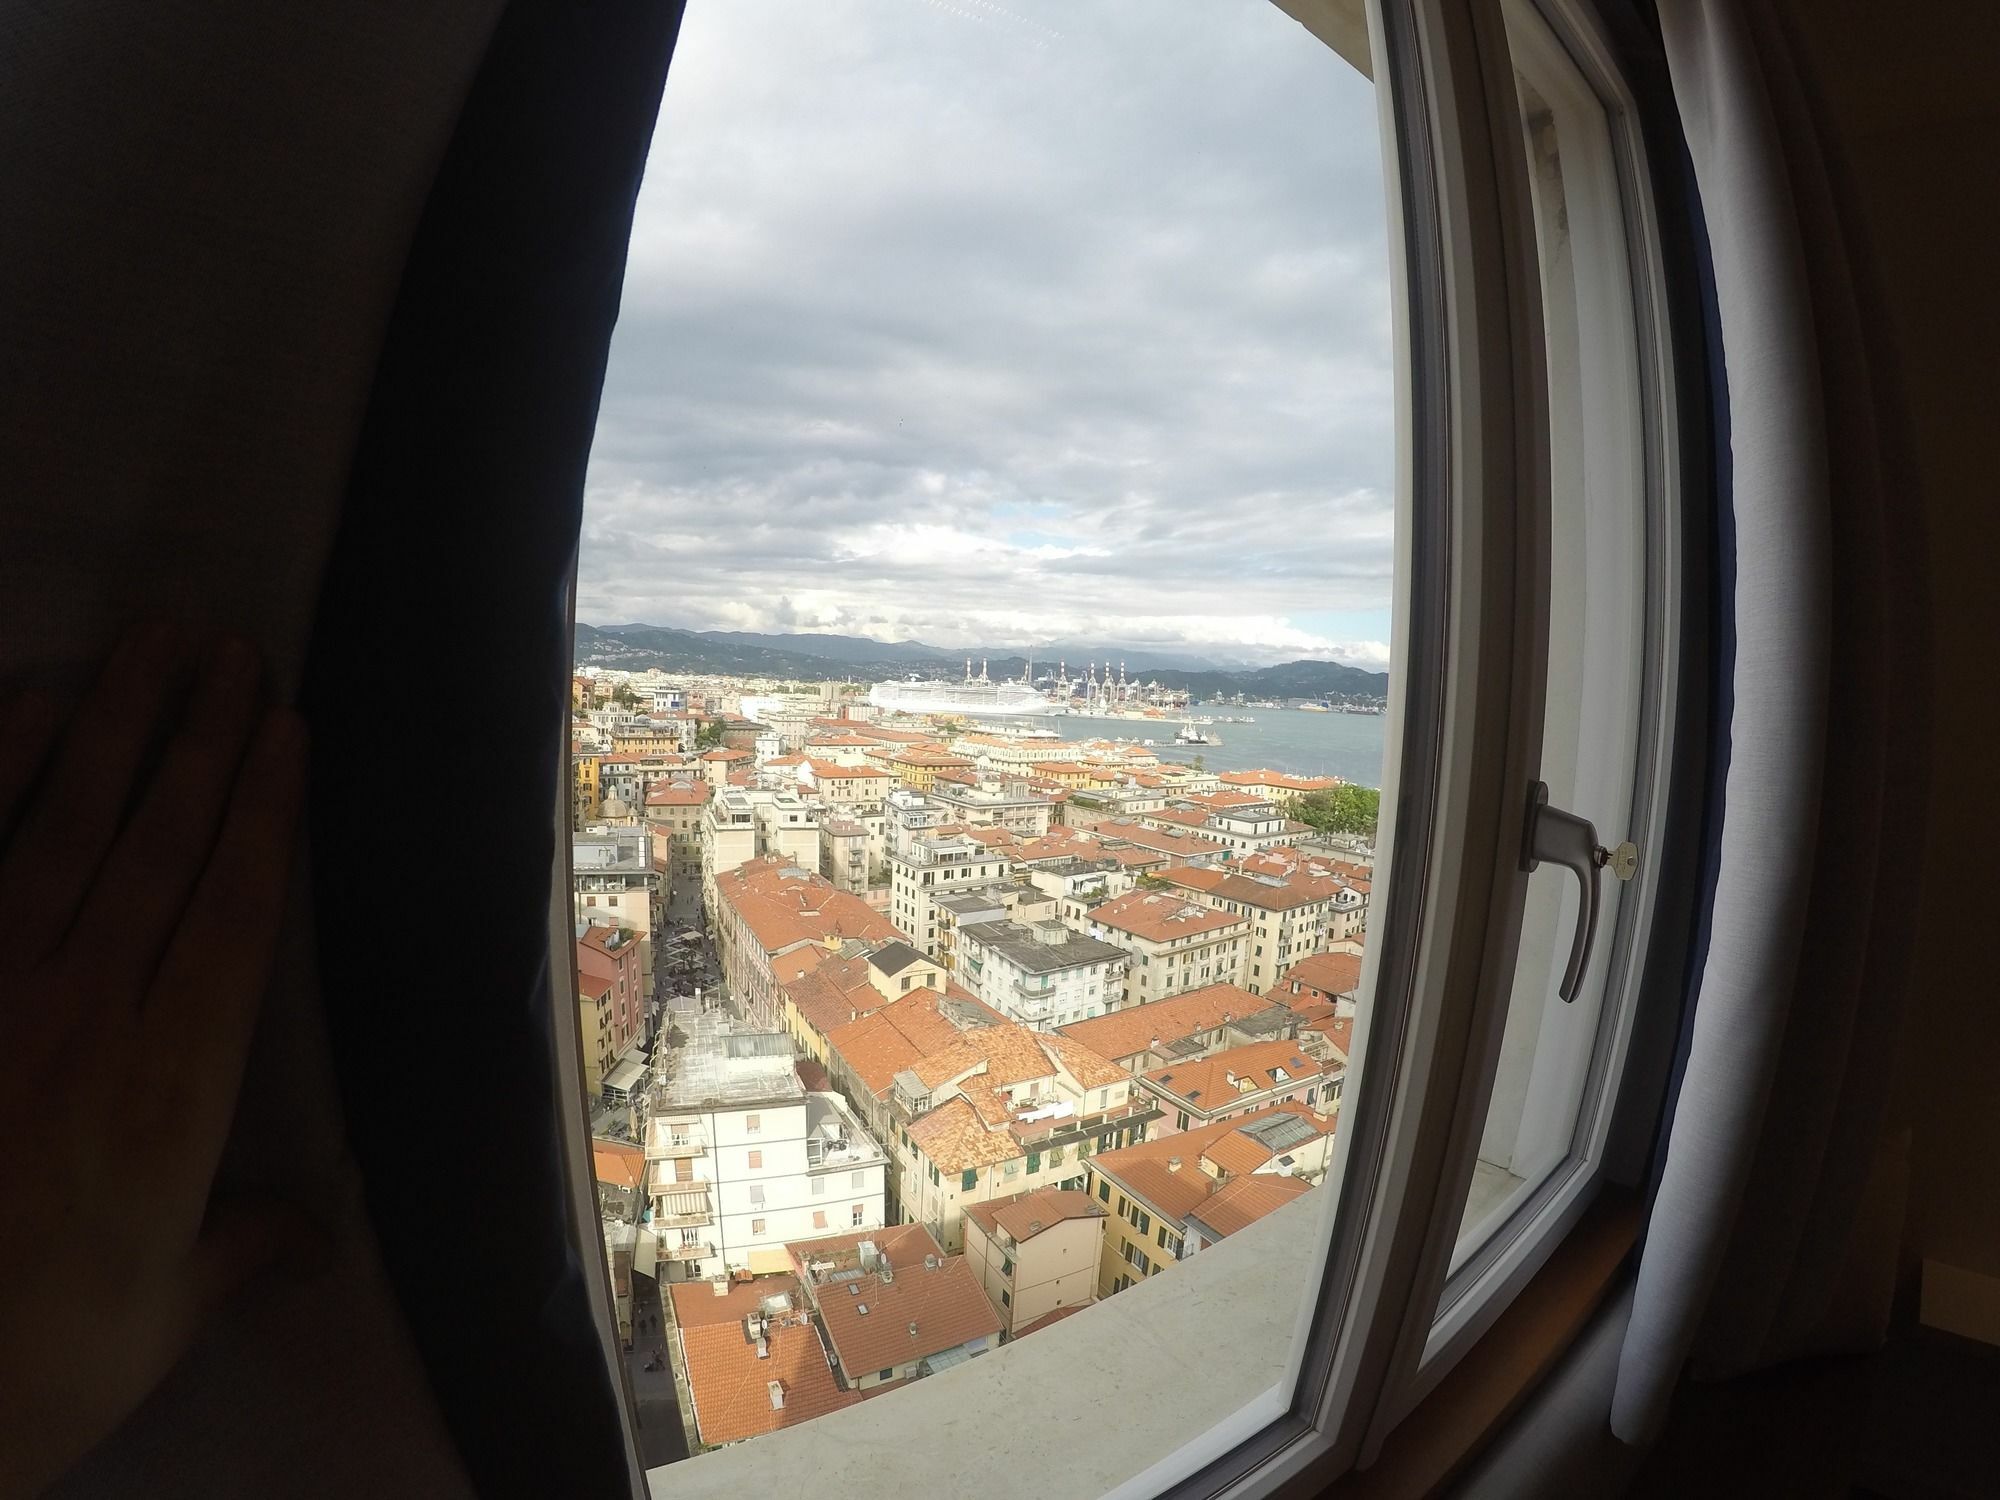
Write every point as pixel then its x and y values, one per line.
pixel 1765 1194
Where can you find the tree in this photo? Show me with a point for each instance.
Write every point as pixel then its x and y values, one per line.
pixel 1342 809
pixel 708 734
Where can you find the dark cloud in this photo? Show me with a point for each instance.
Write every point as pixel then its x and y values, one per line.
pixel 996 324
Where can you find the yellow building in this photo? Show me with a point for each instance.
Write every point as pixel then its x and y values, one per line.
pixel 1035 1253
pixel 594 1022
pixel 588 800
pixel 917 767
pixel 1166 1199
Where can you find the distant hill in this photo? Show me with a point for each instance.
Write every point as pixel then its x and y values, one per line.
pixel 820 658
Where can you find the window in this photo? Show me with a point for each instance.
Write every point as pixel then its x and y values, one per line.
pixel 1006 1299
pixel 756 1226
pixel 1006 1265
pixel 855 1181
pixel 756 1161
pixel 858 1215
pixel 819 1218
pixel 819 1186
pixel 1524 592
pixel 753 1123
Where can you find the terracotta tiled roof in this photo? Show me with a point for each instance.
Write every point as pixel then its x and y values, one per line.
pixel 1047 1318
pixel 1180 845
pixel 955 1137
pixel 813 1075
pixel 1224 1148
pixel 834 994
pixel 1338 1030
pixel 1026 1214
pixel 1204 1083
pixel 1280 780
pixel 903 1032
pixel 696 1304
pixel 1242 1201
pixel 1326 973
pixel 617 1164
pixel 1162 916
pixel 783 910
pixel 1126 1033
pixel 923 1309
pixel 731 1386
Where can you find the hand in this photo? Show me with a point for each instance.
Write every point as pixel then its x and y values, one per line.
pixel 138 918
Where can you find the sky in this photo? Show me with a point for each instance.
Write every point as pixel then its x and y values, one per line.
pixel 992 324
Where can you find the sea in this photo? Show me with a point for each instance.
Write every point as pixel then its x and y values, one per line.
pixel 1349 746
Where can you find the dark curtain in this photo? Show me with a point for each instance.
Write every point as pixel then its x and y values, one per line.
pixel 437 690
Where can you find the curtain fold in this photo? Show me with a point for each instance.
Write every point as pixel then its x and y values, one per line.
pixel 434 797
pixel 1776 1126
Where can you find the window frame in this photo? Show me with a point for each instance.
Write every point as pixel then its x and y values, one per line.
pixel 1465 738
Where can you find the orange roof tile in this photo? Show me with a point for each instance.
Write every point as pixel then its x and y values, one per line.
pixel 617 1164
pixel 1160 917
pixel 925 1308
pixel 1242 1201
pixel 731 1386
pixel 1126 1033
pixel 1026 1214
pixel 1147 1169
pixel 1206 1083
pixel 1321 973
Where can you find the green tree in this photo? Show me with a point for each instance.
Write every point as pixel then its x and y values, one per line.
pixel 1342 809
pixel 708 734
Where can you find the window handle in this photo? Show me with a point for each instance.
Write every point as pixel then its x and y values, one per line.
pixel 1562 838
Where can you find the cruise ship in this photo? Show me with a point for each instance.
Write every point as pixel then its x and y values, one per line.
pixel 974 695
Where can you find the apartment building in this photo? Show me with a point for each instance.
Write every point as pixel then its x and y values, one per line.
pixel 1241 1080
pixel 1035 1253
pixel 753 1358
pixel 1328 978
pixel 673 811
pixel 846 786
pixel 1244 828
pixel 997 1111
pixel 893 1306
pixel 1011 805
pixel 611 954
pixel 929 864
pixel 739 824
pixel 861 979
pixel 1042 974
pixel 616 884
pixel 1151 1190
pixel 1279 788
pixel 1183 1026
pixel 594 1021
pixel 918 766
pixel 1290 916
pixel 1173 846
pixel 1174 944
pixel 769 909
pixel 741 1159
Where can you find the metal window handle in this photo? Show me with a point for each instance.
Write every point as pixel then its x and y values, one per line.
pixel 1562 838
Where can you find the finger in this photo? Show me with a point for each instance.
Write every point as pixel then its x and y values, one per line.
pixel 242 1239
pixel 153 867
pixel 195 1028
pixel 25 735
pixel 63 836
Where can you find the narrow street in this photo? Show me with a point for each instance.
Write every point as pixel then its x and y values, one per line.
pixel 662 1435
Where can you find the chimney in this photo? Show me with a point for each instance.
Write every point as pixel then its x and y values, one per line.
pixel 721 1288
pixel 777 1390
pixel 913 1328
pixel 1173 1164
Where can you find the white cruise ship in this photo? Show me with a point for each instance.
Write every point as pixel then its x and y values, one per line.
pixel 974 695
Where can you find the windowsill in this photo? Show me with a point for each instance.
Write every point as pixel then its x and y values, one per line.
pixel 1470 1406
pixel 1035 1410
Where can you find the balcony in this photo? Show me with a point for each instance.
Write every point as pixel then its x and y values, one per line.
pixel 686 1211
pixel 675 1251
pixel 677 1149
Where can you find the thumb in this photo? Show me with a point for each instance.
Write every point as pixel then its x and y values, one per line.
pixel 245 1237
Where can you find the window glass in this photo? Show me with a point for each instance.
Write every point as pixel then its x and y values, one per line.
pixel 1551 1072
pixel 993 498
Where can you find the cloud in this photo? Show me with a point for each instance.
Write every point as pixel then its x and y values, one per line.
pixel 992 324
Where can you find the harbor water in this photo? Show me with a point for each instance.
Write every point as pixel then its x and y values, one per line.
pixel 1349 746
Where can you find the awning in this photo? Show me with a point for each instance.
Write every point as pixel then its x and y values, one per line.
pixel 625 1074
pixel 645 1252
pixel 944 1359
pixel 769 1262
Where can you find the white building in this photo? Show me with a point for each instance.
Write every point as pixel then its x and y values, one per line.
pixel 930 865
pixel 741 1159
pixel 1042 974
pixel 741 823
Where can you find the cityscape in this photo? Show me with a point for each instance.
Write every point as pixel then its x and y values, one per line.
pixel 916 1019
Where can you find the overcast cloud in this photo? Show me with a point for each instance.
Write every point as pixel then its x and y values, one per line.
pixel 993 324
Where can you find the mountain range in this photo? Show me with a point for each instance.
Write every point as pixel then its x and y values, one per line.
pixel 820 658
